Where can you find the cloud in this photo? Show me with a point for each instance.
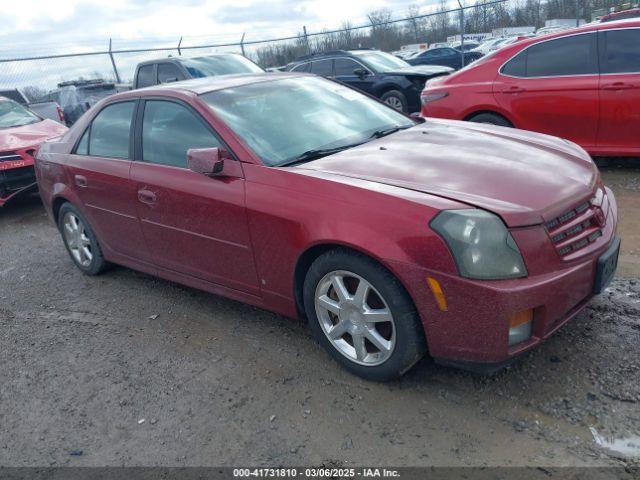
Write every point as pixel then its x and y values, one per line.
pixel 264 12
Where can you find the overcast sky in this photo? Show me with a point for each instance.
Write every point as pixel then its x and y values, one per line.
pixel 33 28
pixel 42 25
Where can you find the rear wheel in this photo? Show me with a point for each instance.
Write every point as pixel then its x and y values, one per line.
pixel 492 118
pixel 362 316
pixel 81 242
pixel 395 99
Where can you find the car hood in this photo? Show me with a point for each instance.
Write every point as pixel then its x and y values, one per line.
pixel 15 138
pixel 524 177
pixel 421 70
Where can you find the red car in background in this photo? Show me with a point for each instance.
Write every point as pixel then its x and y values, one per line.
pixel 21 133
pixel 303 196
pixel 581 84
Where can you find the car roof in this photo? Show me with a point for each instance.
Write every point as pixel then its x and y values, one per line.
pixel 332 53
pixel 591 27
pixel 181 58
pixel 199 86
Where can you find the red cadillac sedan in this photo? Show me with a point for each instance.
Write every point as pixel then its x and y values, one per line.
pixel 581 84
pixel 294 193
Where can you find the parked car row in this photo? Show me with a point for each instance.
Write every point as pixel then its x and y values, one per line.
pixel 320 198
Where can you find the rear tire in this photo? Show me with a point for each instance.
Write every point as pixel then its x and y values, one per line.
pixel 395 99
pixel 491 118
pixel 360 313
pixel 80 241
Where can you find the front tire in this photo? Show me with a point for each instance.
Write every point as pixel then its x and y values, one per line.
pixel 395 99
pixel 360 313
pixel 80 241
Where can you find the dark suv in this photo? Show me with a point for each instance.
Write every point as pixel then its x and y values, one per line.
pixel 174 69
pixel 377 73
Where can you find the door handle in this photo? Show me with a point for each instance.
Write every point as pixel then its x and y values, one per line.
pixel 514 90
pixel 617 86
pixel 147 196
pixel 81 180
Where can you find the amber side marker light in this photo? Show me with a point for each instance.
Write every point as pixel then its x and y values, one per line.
pixel 435 287
pixel 520 325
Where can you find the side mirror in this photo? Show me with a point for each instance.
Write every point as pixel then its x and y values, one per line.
pixel 360 72
pixel 417 117
pixel 170 80
pixel 207 161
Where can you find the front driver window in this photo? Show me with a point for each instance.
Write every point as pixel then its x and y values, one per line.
pixel 169 130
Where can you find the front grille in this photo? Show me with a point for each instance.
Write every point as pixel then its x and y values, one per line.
pixel 577 228
pixel 16 179
pixel 9 156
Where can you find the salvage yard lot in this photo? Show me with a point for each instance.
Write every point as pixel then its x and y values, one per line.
pixel 126 369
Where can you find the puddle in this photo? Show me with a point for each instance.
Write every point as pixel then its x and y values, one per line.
pixel 628 446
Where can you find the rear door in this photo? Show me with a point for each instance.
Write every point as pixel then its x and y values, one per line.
pixel 552 87
pixel 193 224
pixel 99 173
pixel 619 129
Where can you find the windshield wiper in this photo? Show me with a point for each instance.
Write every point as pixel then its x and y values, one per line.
pixel 315 154
pixel 387 131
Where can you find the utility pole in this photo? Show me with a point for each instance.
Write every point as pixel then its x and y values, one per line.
pixel 577 4
pixel 306 39
pixel 462 33
pixel 113 64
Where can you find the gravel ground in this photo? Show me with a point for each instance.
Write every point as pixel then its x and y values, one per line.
pixel 126 369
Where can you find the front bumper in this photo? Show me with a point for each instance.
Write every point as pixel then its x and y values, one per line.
pixel 473 331
pixel 16 175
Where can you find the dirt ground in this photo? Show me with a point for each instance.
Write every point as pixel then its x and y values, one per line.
pixel 125 369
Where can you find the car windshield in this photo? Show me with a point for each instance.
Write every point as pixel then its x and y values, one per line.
pixel 284 119
pixel 13 114
pixel 219 65
pixel 381 61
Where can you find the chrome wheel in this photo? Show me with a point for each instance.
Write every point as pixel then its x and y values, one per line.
pixel 394 102
pixel 355 318
pixel 75 236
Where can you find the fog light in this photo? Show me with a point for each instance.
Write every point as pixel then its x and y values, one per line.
pixel 520 326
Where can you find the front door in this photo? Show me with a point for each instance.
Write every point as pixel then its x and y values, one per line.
pixel 193 224
pixel 552 87
pixel 619 129
pixel 344 71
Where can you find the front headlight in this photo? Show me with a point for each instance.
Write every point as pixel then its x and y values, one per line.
pixel 480 243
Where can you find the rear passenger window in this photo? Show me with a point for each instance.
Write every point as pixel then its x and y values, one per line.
pixel 168 72
pixel 516 67
pixel 110 131
pixel 169 130
pixel 145 76
pixel 322 67
pixel 574 55
pixel 621 51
